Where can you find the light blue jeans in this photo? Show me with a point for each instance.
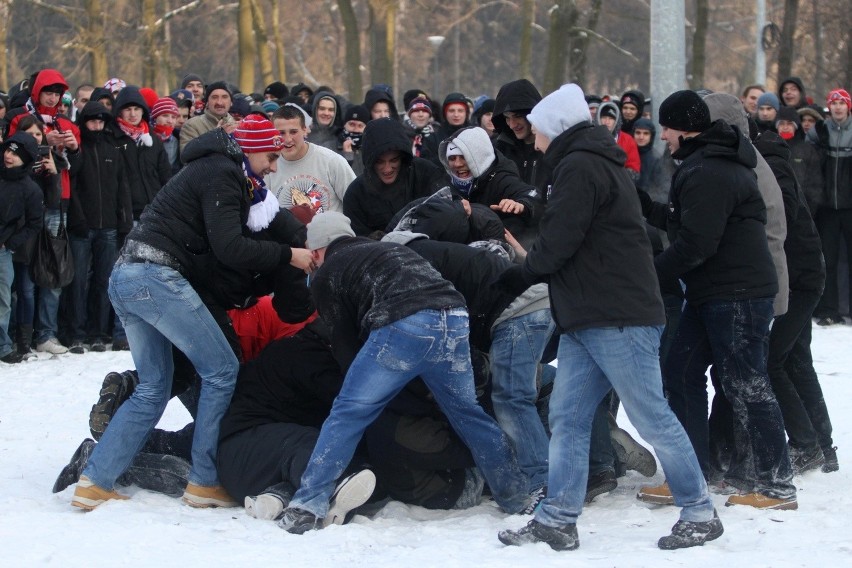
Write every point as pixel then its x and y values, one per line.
pixel 158 308
pixel 7 276
pixel 517 345
pixel 591 361
pixel 433 345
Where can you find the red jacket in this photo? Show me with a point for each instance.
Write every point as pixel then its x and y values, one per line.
pixel 259 325
pixel 628 144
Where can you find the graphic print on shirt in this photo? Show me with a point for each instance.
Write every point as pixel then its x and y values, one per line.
pixel 303 189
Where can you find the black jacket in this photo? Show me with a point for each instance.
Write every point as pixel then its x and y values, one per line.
pixel 21 206
pixel 364 285
pixel 715 220
pixel 100 198
pixel 802 246
pixel 806 164
pixel 834 144
pixel 199 216
pixel 592 247
pixel 371 204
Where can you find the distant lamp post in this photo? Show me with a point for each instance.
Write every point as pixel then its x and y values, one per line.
pixel 435 42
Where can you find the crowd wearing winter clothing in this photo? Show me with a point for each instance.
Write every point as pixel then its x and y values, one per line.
pixel 359 304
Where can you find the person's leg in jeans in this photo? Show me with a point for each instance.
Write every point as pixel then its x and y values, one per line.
pixel 685 380
pixel 47 324
pixel 25 304
pixel 738 335
pixel 104 255
pixel 516 349
pixel 183 320
pixel 7 276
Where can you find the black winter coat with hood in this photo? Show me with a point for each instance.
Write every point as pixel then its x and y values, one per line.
pixel 200 216
pixel 21 207
pixel 147 167
pixel 592 246
pixel 715 220
pixel 520 97
pixel 101 192
pixel 368 202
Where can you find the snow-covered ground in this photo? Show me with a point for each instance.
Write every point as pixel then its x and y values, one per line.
pixel 44 407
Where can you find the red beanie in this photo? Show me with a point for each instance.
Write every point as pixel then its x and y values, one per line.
pixel 257 134
pixel 150 96
pixel 164 105
pixel 839 95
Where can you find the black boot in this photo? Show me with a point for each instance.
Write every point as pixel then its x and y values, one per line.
pixel 71 472
pixel 692 533
pixel 564 538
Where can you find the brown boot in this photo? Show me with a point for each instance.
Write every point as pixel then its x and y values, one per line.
pixel 760 501
pixel 658 495
pixel 202 497
pixel 87 495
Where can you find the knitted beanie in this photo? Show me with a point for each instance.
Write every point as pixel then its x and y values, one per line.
pixel 420 103
pixel 839 95
pixel 559 111
pixel 686 111
pixel 150 95
pixel 215 86
pixel 327 227
pixel 356 112
pixel 164 105
pixel 257 134
pixel 768 99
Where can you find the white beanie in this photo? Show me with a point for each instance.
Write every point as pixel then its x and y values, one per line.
pixel 559 111
pixel 327 227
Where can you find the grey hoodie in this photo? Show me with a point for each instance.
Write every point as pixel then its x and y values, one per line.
pixel 476 147
pixel 729 108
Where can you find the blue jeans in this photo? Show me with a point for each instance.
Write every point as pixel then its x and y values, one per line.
pixel 46 325
pixel 98 252
pixel 7 276
pixel 159 308
pixel 434 346
pixel 517 345
pixel 591 361
pixel 733 336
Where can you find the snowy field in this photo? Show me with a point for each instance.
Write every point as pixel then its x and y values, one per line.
pixel 44 408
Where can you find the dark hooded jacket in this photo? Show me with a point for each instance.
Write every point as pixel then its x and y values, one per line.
pixel 21 206
pixel 147 167
pixel 652 177
pixel 199 217
pixel 592 247
pixel 638 98
pixel 446 129
pixel 101 195
pixel 520 96
pixel 834 145
pixel 371 204
pixel 325 136
pixel 715 220
pixel 802 246
pixel 376 95
pixel 803 102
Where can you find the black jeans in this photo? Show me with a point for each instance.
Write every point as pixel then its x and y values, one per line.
pixel 833 225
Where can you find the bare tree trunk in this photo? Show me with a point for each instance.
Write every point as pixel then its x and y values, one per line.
pixel 245 47
pixel 390 39
pixel 279 40
pixel 149 55
pixel 581 45
pixel 378 44
pixel 4 34
pixel 527 15
pixel 788 32
pixel 558 32
pixel 699 44
pixel 353 49
pixel 96 42
pixel 264 54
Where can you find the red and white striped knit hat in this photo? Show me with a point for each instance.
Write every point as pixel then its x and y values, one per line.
pixel 164 105
pixel 256 134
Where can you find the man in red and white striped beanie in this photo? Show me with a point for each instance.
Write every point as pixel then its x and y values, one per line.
pixel 255 134
pixel 260 142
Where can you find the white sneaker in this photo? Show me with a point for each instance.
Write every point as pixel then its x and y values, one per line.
pixel 266 506
pixel 51 346
pixel 352 492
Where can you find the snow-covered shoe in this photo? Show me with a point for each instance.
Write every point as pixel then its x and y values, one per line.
pixel 831 463
pixel 806 459
pixel 350 493
pixel 298 521
pixel 120 345
pixel 116 388
pixel 631 453
pixel 656 494
pixel 12 358
pixel 471 494
pixel 97 346
pixel 760 501
pixel 266 506
pixel 71 472
pixel 87 495
pixel 536 497
pixel 686 534
pixel 600 483
pixel 202 497
pixel 51 346
pixel 77 348
pixel 558 539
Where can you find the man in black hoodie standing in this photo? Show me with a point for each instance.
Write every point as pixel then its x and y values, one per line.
pixel 715 218
pixel 392 177
pixel 593 250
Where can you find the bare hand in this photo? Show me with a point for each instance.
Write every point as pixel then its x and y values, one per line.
pixel 55 138
pixel 303 260
pixel 49 164
pixel 69 141
pixel 347 145
pixel 509 206
pixel 467 208
pixel 520 251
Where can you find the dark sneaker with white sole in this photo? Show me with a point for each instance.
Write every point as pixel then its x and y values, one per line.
pixel 266 506
pixel 351 492
pixel 600 483
pixel 564 538
pixel 806 459
pixel 686 534
pixel 298 521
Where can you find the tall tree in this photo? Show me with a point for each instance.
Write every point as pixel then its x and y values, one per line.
pixel 279 41
pixel 527 17
pixel 245 46
pixel 353 49
pixel 788 32
pixel 699 44
pixel 263 51
pixel 563 15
